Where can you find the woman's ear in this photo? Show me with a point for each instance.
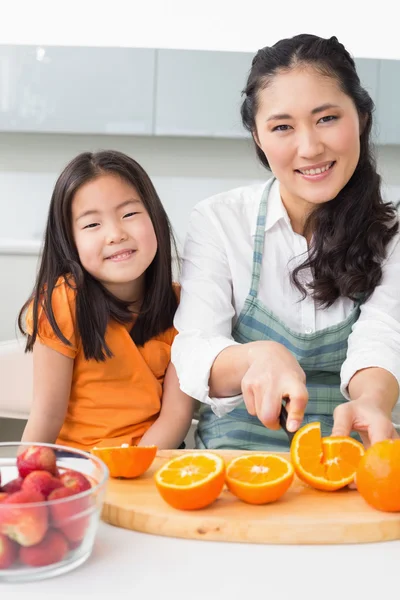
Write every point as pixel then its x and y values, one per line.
pixel 255 138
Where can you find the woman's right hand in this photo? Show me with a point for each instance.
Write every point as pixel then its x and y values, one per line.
pixel 274 375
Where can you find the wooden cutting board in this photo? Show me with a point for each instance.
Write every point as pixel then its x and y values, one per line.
pixel 302 516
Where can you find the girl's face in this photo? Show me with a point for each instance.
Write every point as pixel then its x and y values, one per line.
pixel 309 131
pixel 113 234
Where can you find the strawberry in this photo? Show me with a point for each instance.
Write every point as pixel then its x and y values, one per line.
pixel 42 482
pixel 50 550
pixel 66 516
pixel 3 496
pixel 28 524
pixel 12 486
pixel 8 552
pixel 37 458
pixel 75 481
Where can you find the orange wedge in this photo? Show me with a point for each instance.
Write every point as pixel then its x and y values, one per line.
pixel 328 463
pixel 259 478
pixel 126 461
pixel 191 481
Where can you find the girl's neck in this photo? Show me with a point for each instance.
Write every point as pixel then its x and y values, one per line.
pixel 131 292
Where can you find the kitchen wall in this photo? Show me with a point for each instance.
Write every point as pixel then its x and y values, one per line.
pixel 184 171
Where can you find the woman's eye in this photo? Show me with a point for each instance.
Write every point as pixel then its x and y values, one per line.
pixel 328 118
pixel 281 128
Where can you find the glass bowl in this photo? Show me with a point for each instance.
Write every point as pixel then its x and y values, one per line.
pixel 40 537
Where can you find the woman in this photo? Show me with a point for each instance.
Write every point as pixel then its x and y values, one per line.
pixel 291 289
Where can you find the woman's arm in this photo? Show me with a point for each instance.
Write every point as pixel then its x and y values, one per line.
pixel 211 366
pixel 377 386
pixel 265 373
pixel 175 418
pixel 371 372
pixel 52 377
pixel 373 395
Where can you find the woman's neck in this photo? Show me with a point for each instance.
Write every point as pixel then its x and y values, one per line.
pixel 298 211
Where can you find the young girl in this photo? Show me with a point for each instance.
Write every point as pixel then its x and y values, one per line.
pixel 100 319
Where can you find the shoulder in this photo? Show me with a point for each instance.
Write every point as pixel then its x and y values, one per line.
pixel 233 211
pixel 63 304
pixel 235 198
pixel 64 294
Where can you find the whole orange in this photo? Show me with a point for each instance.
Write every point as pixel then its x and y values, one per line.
pixel 378 476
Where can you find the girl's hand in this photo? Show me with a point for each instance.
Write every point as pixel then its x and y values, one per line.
pixel 364 416
pixel 273 375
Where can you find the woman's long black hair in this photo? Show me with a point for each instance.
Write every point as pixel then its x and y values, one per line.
pixel 351 232
pixel 95 306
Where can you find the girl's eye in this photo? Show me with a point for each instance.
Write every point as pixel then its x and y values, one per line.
pixel 281 128
pixel 328 118
pixel 91 225
pixel 130 214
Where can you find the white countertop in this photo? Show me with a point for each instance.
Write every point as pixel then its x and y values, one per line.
pixel 143 567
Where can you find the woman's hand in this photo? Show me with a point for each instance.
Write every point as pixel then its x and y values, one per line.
pixel 273 375
pixel 363 415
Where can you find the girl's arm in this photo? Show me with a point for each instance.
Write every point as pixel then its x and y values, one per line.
pixel 175 417
pixel 52 377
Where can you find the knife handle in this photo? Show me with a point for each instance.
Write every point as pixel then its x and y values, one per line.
pixel 283 416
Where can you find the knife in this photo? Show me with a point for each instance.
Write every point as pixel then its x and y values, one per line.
pixel 283 417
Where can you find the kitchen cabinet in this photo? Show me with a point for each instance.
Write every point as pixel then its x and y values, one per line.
pixel 388 103
pixel 76 89
pixel 198 93
pixel 368 72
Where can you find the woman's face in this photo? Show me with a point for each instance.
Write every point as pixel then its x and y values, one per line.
pixel 309 131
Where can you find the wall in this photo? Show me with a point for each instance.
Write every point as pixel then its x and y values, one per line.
pixel 184 171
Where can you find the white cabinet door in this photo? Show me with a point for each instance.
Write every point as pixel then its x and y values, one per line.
pixel 368 72
pixel 198 93
pixel 76 90
pixel 388 110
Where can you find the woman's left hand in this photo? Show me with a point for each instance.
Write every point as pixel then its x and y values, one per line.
pixel 366 418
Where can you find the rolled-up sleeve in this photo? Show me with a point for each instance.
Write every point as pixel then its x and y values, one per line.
pixel 375 337
pixel 205 313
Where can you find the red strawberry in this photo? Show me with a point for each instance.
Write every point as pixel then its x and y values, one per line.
pixel 3 496
pixel 50 550
pixel 36 458
pixel 12 486
pixel 66 516
pixel 8 552
pixel 74 545
pixel 75 481
pixel 42 482
pixel 26 525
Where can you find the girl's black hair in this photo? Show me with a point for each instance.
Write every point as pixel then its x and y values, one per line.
pixel 95 306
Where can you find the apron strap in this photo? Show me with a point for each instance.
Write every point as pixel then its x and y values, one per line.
pixel 259 241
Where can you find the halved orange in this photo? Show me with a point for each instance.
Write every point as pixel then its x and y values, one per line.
pixel 328 463
pixel 259 478
pixel 126 461
pixel 191 481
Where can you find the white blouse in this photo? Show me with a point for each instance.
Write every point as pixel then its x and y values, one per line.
pixel 216 277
